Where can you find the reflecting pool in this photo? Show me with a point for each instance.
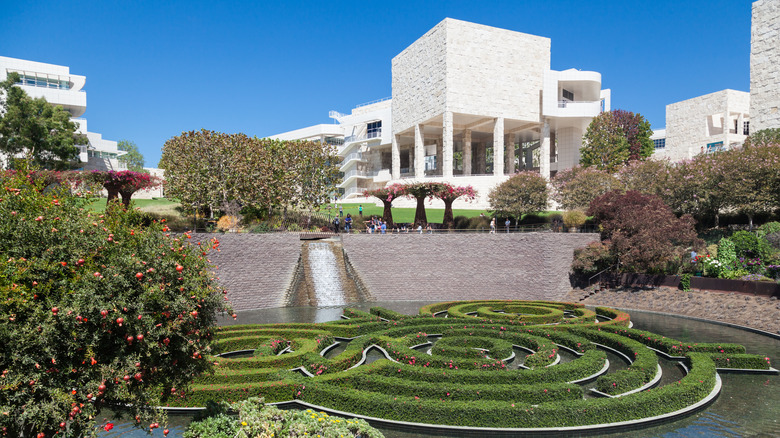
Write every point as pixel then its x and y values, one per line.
pixel 749 405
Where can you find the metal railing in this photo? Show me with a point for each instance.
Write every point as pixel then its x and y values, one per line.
pixel 353 156
pixel 374 101
pixel 374 133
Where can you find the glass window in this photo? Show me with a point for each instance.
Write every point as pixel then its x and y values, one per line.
pixel 374 129
pixel 659 143
pixel 568 95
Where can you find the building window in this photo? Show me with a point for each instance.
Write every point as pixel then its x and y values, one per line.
pixel 659 143
pixel 746 128
pixel 43 82
pixel 568 95
pixel 374 129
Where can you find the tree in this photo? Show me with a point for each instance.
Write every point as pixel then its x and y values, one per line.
pixel 100 310
pixel 42 132
pixel 448 194
pixel 575 188
pixel 649 176
pixel 751 179
pixel 122 183
pixel 764 137
pixel 209 170
pixel 524 192
pixel 133 159
pixel 387 195
pixel 420 191
pixel 614 138
pixel 642 233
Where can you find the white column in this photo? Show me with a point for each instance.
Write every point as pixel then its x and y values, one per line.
pixel 509 146
pixel 395 154
pixel 741 124
pixel 447 144
pixel 419 151
pixel 467 152
pixel 726 127
pixel 498 147
pixel 544 165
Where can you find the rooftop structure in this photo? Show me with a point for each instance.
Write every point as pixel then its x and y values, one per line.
pixel 471 105
pixel 58 86
pixel 705 124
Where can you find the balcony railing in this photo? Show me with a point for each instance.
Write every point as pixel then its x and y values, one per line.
pixel 353 156
pixel 579 104
pixel 358 173
pixel 374 133
pixel 374 101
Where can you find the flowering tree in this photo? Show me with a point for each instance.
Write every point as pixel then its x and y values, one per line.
pixel 387 195
pixel 420 191
pixel 95 311
pixel 524 192
pixel 449 193
pixel 121 183
pixel 575 188
pixel 649 176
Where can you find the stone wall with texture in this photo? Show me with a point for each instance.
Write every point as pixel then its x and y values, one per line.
pixel 256 269
pixel 465 266
pixel 765 66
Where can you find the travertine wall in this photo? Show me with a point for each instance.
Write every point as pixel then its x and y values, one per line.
pixel 257 269
pixel 469 68
pixel 465 266
pixel 688 127
pixel 765 66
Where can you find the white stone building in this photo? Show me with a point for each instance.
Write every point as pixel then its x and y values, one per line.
pixel 765 65
pixel 58 86
pixel 710 123
pixel 471 105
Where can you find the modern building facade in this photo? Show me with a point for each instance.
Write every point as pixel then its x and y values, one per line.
pixel 705 124
pixel 471 105
pixel 58 86
pixel 765 65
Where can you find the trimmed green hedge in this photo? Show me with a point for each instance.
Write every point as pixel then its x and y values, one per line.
pixel 457 384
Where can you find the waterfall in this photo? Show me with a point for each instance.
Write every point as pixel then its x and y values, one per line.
pixel 325 275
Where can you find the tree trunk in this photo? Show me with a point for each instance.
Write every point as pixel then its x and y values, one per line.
pixel 448 221
pixel 750 222
pixel 387 214
pixel 112 194
pixel 419 214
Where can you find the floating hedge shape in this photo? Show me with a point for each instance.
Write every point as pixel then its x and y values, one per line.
pixel 471 376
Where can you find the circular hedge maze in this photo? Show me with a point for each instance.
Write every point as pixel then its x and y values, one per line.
pixel 484 364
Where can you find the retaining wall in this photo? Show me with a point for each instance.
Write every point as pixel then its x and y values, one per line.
pixel 465 266
pixel 256 269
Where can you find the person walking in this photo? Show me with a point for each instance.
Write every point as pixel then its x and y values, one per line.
pixel 507 225
pixel 341 210
pixel 360 210
pixel 493 226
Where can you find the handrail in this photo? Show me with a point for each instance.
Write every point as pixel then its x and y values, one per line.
pixel 375 133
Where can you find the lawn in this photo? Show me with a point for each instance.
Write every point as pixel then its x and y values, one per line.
pixel 169 207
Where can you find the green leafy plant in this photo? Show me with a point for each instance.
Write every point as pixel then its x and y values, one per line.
pixel 101 310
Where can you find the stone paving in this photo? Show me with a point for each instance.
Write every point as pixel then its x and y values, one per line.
pixel 745 310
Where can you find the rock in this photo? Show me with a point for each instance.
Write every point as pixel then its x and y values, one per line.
pixel 774 298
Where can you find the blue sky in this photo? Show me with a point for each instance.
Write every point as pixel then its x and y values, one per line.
pixel 157 68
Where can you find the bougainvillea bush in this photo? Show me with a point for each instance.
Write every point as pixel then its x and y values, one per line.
pixel 95 311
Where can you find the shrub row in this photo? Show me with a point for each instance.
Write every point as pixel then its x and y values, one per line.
pixel 741 361
pixel 527 314
pixel 671 346
pixel 493 413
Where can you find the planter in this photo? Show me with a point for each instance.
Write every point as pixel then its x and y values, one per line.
pixel 758 288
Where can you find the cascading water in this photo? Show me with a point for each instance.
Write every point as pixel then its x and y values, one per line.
pixel 325 275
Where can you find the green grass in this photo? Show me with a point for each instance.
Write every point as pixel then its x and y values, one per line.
pixel 156 205
pixel 400 215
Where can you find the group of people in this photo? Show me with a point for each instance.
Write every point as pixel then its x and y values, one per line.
pixel 376 225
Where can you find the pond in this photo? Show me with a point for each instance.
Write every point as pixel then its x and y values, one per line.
pixel 749 405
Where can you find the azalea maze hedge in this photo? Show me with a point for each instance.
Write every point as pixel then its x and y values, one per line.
pixel 468 363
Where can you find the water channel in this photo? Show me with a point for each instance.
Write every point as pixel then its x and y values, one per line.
pixel 749 405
